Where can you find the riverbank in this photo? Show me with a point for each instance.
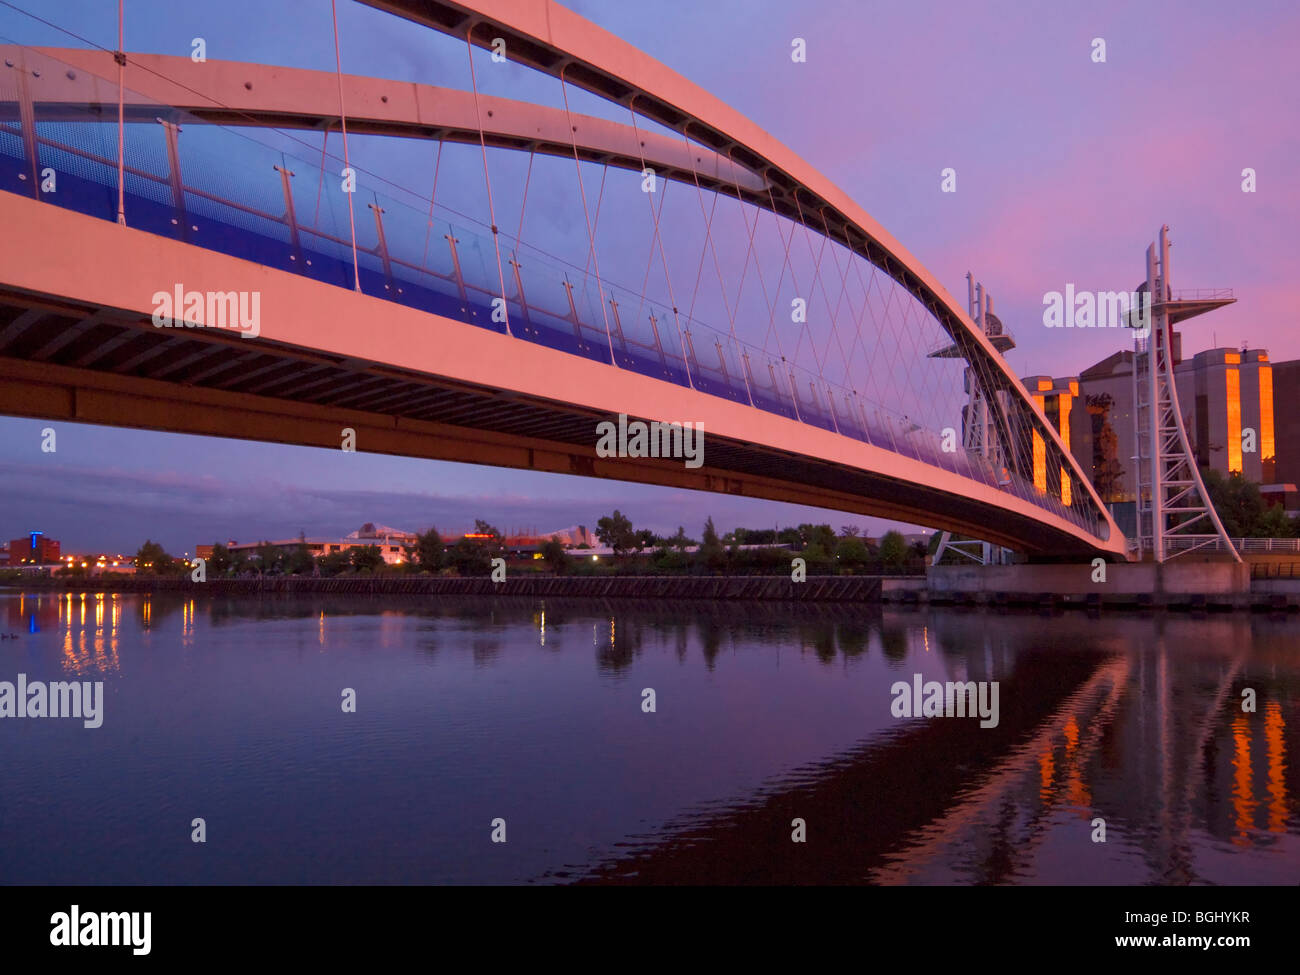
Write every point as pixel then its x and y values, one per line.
pixel 840 589
pixel 1183 585
pixel 1035 587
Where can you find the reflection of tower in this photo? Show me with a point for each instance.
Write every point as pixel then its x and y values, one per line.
pixel 979 426
pixel 1174 513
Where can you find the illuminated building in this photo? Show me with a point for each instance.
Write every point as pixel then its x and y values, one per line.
pixel 391 542
pixel 1227 399
pixel 1057 399
pixel 35 549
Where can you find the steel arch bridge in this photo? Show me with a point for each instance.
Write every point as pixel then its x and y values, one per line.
pixel 443 335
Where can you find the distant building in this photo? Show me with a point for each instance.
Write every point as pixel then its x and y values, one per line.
pixel 1057 398
pixel 1282 495
pixel 35 549
pixel 1286 398
pixel 568 537
pixel 1226 396
pixel 391 542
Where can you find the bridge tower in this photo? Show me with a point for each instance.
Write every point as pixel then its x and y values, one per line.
pixel 1174 513
pixel 979 429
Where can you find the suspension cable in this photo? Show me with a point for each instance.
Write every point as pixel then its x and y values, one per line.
pixel 717 268
pixel 487 179
pixel 428 231
pixel 790 364
pixel 658 240
pixel 591 239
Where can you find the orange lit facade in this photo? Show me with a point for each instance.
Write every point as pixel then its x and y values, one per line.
pixel 1227 401
pixel 1232 399
pixel 1228 396
pixel 1056 398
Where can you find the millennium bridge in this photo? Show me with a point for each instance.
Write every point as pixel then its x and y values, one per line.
pixel 549 231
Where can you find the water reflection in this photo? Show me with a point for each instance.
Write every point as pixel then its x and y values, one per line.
pixel 1123 737
pixel 766 713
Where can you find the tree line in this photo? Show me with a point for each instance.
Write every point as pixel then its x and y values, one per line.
pixel 429 553
pixel 1238 501
pixel 641 550
pixel 818 545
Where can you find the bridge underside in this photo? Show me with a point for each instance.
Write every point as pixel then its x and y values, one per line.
pixel 77 343
pixel 87 364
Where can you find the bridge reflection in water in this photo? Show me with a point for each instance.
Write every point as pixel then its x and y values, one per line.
pixel 766 713
pixel 1141 728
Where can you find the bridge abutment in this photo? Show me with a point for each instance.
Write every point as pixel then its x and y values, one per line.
pixel 1174 583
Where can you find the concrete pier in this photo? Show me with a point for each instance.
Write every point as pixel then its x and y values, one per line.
pixel 1175 584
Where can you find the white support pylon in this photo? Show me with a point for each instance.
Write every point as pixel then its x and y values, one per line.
pixel 977 434
pixel 1174 513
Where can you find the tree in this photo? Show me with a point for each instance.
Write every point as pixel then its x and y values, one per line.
pixel 1275 523
pixel 616 532
pixel 367 558
pixel 789 536
pixel 893 550
pixel 820 535
pixel 645 538
pixel 667 558
pixel 817 557
pixel 299 560
pixel 711 551
pixel 1242 508
pixel 219 560
pixel 495 541
pixel 852 552
pixel 679 541
pixel 554 555
pixel 468 558
pixel 335 563
pixel 428 552
pixel 710 533
pixel 849 531
pixel 240 562
pixel 1106 468
pixel 269 558
pixel 153 559
pixel 1238 502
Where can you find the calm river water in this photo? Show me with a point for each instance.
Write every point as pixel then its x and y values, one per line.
pixel 769 721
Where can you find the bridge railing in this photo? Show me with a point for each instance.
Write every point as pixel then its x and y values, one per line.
pixel 1202 294
pixel 219 188
pixel 1245 546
